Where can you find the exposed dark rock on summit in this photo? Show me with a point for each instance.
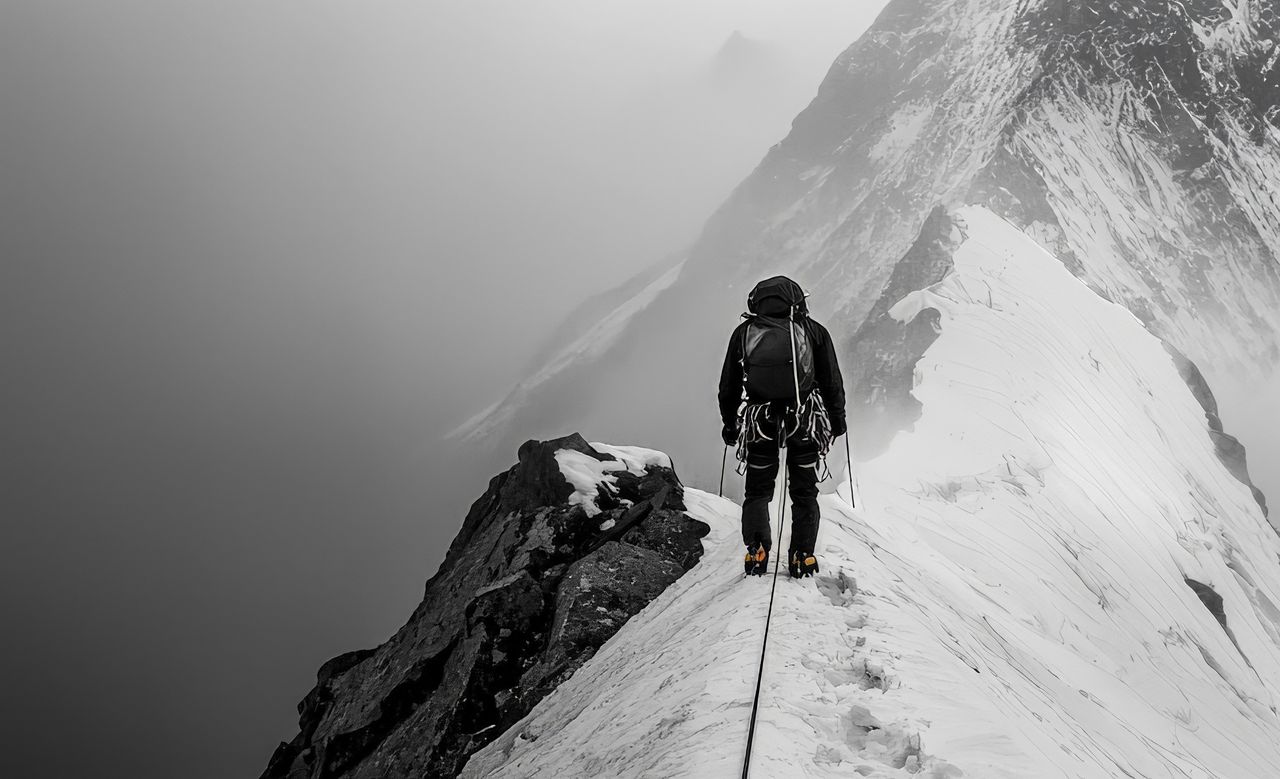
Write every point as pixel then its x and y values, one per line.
pixel 530 589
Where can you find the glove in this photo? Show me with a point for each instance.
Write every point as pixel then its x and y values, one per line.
pixel 838 427
pixel 729 435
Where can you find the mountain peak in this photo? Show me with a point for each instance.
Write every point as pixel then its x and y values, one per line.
pixel 738 44
pixel 743 60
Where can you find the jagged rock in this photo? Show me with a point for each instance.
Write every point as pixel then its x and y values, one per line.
pixel 1210 598
pixel 669 534
pixel 529 589
pixel 591 606
pixel 508 604
pixel 1229 449
pixel 604 589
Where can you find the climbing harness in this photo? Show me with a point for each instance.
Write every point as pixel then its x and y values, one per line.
pixel 763 421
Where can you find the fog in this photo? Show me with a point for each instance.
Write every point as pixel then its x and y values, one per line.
pixel 1251 412
pixel 256 257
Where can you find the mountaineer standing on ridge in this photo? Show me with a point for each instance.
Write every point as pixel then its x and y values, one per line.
pixel 781 387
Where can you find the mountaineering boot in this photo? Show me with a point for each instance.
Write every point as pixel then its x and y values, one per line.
pixel 802 564
pixel 756 563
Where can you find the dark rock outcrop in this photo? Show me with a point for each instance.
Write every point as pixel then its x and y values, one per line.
pixel 1214 603
pixel 1229 449
pixel 530 589
pixel 1210 598
pixel 590 607
pixel 885 351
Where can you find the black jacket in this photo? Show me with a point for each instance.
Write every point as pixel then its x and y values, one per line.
pixel 826 372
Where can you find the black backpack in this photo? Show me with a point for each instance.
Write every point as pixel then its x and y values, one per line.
pixel 776 332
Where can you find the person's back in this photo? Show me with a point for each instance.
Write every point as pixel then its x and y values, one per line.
pixel 780 388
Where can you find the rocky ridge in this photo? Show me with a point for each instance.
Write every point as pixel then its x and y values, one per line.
pixel 530 588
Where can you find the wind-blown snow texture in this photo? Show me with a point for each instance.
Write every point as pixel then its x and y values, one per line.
pixel 1010 598
pixel 1136 140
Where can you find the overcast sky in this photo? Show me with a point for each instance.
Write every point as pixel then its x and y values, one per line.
pixel 256 256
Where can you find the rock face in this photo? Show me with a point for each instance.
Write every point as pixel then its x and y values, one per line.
pixel 1230 451
pixel 530 588
pixel 885 351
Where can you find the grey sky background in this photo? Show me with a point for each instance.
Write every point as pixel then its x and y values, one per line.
pixel 254 258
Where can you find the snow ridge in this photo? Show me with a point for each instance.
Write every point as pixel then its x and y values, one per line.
pixel 1010 599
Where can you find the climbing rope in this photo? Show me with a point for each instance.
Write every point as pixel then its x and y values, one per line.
pixel 723 459
pixel 755 703
pixel 849 458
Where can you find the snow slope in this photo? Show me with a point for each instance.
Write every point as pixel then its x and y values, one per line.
pixel 1008 599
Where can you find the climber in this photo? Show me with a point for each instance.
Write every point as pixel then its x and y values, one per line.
pixel 781 388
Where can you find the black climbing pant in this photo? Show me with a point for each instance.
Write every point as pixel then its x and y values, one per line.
pixel 802 482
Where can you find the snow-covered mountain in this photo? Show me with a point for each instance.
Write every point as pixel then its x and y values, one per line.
pixel 1053 575
pixel 1040 230
pixel 1138 141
